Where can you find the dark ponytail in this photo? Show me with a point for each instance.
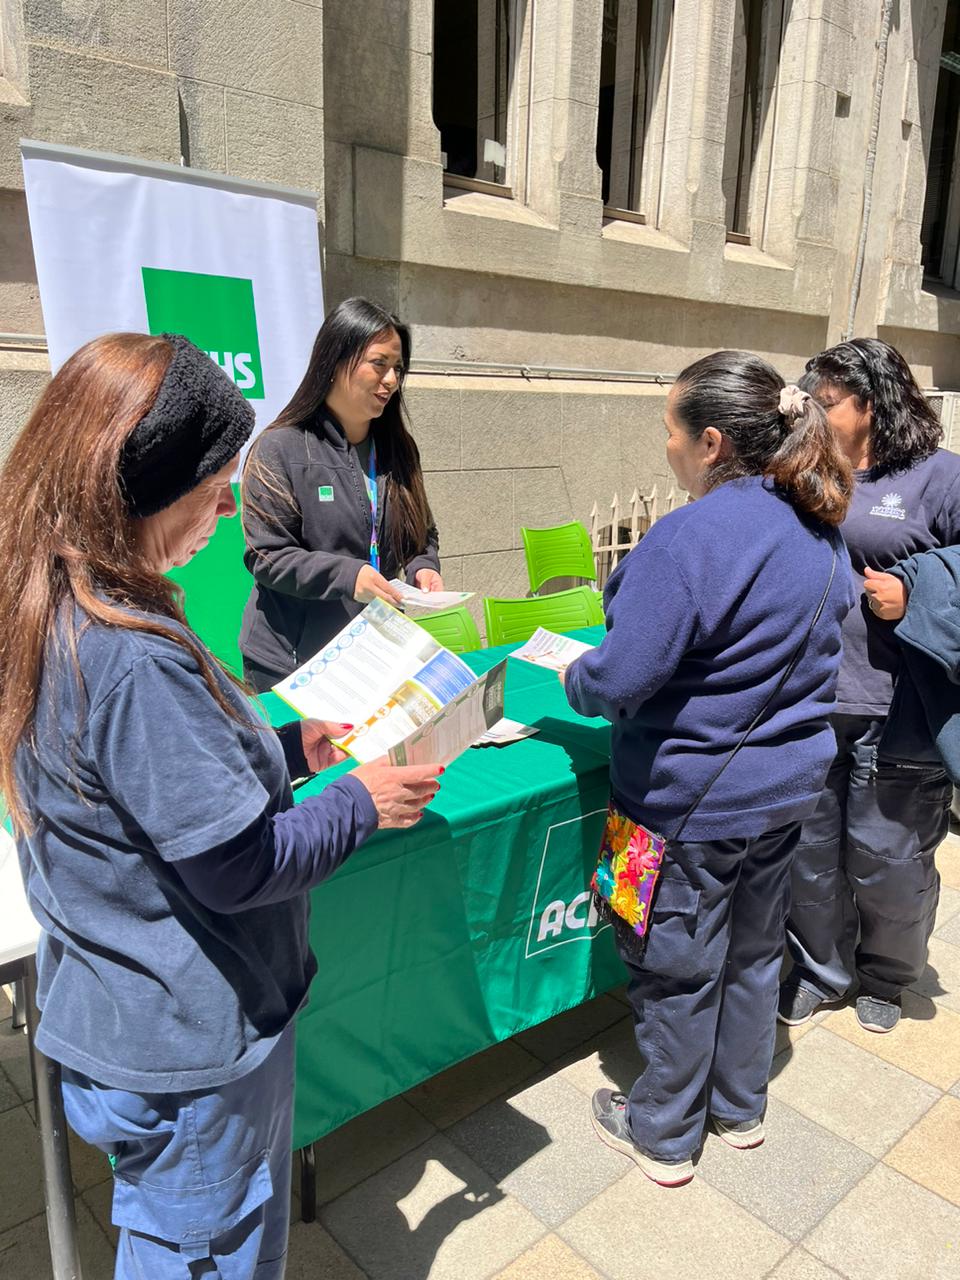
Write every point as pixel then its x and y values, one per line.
pixel 768 430
pixel 905 428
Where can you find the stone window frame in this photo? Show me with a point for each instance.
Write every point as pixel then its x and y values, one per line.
pixel 522 23
pixel 773 20
pixel 657 90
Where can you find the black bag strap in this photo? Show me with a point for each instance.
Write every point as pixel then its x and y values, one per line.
pixel 787 673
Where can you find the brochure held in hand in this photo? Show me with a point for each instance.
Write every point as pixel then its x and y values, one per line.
pixel 405 694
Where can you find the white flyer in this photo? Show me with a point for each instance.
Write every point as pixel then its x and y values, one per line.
pixel 414 598
pixel 547 649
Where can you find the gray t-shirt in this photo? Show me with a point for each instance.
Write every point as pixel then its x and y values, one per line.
pixel 140 986
pixel 891 516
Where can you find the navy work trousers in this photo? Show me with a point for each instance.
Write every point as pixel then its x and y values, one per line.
pixel 865 887
pixel 201 1180
pixel 705 997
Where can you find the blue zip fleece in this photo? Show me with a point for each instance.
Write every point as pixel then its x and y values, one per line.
pixel 702 619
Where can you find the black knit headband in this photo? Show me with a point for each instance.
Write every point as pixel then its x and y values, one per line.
pixel 198 422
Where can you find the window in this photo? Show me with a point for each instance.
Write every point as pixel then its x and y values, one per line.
pixel 474 52
pixel 632 106
pixel 757 35
pixel 938 233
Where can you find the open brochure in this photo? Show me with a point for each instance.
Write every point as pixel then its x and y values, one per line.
pixel 389 678
pixel 458 725
pixel 413 598
pixel 547 649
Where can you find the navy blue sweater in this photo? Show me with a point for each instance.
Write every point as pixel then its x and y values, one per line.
pixel 702 618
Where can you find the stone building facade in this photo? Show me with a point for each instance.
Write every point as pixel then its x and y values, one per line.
pixel 568 200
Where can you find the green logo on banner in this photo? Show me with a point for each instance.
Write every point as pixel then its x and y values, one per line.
pixel 215 312
pixel 562 909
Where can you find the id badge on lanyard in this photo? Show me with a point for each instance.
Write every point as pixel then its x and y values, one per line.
pixel 374 502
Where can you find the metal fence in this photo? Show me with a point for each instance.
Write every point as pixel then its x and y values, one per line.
pixel 613 535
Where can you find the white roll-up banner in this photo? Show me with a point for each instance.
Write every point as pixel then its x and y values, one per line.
pixel 123 244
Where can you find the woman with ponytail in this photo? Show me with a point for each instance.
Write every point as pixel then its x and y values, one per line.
pixel 865 887
pixel 717 673
pixel 333 499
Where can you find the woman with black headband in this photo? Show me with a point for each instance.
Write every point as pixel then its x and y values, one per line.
pixel 159 845
pixel 865 886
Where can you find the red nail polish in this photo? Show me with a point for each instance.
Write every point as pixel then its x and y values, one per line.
pixel 442 769
pixel 346 726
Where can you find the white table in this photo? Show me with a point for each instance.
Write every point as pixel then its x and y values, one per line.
pixel 19 933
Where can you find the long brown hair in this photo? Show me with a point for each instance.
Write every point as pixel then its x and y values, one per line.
pixel 739 394
pixel 67 537
pixel 343 338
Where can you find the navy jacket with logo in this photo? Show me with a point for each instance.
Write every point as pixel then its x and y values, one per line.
pixel 307 525
pixel 893 515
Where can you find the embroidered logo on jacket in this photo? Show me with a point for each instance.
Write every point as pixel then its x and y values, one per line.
pixel 891 506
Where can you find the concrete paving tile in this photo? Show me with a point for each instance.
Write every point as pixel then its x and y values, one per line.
pixel 366 1145
pixel 851 1092
pixel 611 1059
pixel 433 1214
pixel 6 1008
pixel 948 862
pixel 15 1059
pixel 539 1146
pixel 99 1200
pixel 929 1152
pixel 635 1230
pixel 801 1265
pixel 21 1186
pixel 888 1228
pixel 620 993
pixel 795 1178
pixel 25 1251
pixel 557 1036
pixel 88 1165
pixel 926 1042
pixel 455 1093
pixel 550 1259
pixel 948 908
pixel 940 981
pixel 787 1037
pixel 315 1255
pixel 8 1094
pixel 949 931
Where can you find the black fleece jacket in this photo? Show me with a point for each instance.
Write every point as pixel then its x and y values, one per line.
pixel 306 520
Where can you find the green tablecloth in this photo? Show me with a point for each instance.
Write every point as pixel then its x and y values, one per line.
pixel 436 942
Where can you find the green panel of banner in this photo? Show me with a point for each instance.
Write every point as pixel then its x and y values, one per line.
pixel 436 942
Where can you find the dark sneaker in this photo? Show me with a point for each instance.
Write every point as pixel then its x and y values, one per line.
pixel 742 1134
pixel 797 1005
pixel 610 1121
pixel 874 1013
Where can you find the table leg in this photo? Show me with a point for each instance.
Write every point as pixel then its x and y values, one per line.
pixel 308 1183
pixel 19 1019
pixel 57 1182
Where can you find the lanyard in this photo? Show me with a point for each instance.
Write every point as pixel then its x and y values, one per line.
pixel 374 501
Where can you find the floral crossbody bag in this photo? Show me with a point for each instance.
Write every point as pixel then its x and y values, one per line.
pixel 631 858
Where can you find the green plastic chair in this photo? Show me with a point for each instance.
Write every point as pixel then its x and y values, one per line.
pixel 509 621
pixel 562 551
pixel 454 628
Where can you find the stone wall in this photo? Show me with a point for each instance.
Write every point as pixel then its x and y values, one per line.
pixel 337 97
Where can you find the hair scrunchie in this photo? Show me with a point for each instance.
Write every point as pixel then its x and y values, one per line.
pixel 792 400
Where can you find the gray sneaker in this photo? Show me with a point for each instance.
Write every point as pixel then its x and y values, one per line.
pixel 874 1013
pixel 797 1005
pixel 742 1134
pixel 609 1112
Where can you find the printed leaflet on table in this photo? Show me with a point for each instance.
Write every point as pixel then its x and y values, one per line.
pixel 547 649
